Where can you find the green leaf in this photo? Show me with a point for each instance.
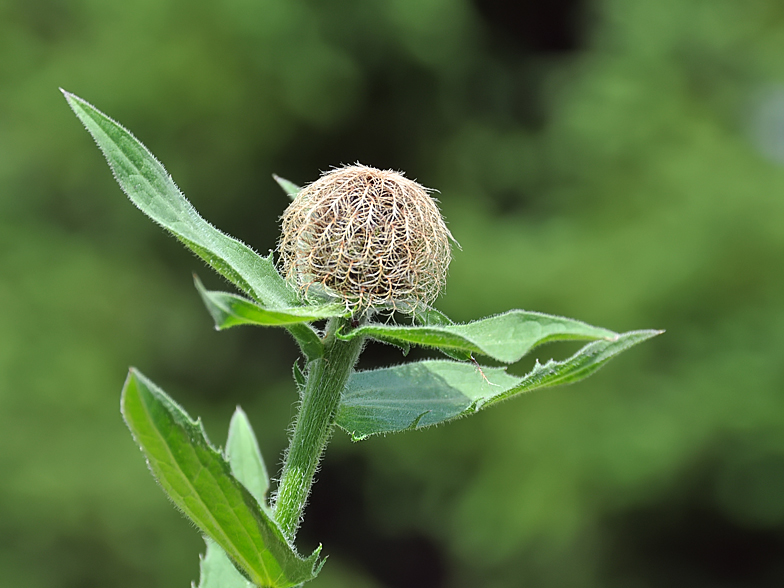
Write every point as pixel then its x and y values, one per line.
pixel 421 394
pixel 506 337
pixel 578 367
pixel 247 465
pixel 217 571
pixel 299 377
pixel 290 188
pixel 150 187
pixel 308 340
pixel 229 310
pixel 199 480
pixel 244 455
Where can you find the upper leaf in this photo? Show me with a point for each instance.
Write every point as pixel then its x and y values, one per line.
pixel 229 310
pixel 199 481
pixel 290 188
pixel 416 395
pixel 152 189
pixel 506 337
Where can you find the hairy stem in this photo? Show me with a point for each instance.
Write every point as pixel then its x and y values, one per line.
pixel 327 377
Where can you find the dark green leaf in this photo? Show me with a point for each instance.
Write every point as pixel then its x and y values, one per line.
pixel 506 337
pixel 150 187
pixel 421 394
pixel 199 480
pixel 290 188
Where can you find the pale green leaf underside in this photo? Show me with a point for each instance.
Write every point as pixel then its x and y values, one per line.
pixel 199 480
pixel 290 188
pixel 149 186
pixel 506 337
pixel 244 455
pixel 421 394
pixel 217 571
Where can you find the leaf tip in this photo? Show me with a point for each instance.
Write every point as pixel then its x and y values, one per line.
pixel 239 417
pixel 316 562
pixel 124 391
pixel 71 98
pixel 198 283
pixel 289 188
pixel 133 374
pixel 647 334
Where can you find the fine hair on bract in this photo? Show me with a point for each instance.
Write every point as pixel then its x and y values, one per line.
pixel 368 237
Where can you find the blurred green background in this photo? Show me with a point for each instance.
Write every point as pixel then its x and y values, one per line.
pixel 617 161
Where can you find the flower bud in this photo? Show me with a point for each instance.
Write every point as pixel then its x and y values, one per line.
pixel 368 237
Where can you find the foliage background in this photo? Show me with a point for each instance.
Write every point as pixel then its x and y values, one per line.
pixel 618 161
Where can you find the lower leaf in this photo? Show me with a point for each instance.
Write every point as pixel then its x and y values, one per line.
pixel 199 480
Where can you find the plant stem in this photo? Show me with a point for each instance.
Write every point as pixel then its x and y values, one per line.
pixel 327 377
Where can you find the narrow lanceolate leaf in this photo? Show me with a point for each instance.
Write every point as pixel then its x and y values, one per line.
pixel 290 188
pixel 152 189
pixel 506 337
pixel 199 480
pixel 244 455
pixel 229 310
pixel 416 395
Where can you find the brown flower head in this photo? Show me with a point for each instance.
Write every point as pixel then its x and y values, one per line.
pixel 372 238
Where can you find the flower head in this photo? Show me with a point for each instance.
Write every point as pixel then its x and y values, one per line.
pixel 369 237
